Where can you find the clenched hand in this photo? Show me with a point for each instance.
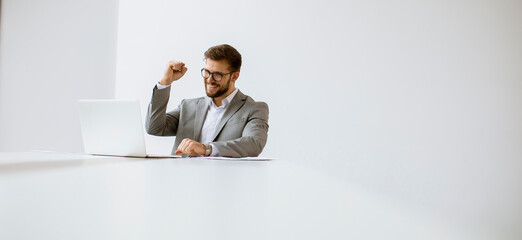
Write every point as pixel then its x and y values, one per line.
pixel 175 70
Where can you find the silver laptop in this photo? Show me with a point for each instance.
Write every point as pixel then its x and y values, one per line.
pixel 114 128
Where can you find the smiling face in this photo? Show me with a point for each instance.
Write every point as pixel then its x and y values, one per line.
pixel 219 90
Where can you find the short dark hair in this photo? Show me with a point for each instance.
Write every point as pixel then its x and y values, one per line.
pixel 225 52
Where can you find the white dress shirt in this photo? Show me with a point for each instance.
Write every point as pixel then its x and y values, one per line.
pixel 214 115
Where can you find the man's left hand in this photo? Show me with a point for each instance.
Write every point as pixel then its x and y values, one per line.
pixel 191 147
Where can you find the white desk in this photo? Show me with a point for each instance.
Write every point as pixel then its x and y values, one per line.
pixel 67 196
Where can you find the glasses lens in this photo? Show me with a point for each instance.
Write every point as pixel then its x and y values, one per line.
pixel 217 76
pixel 205 73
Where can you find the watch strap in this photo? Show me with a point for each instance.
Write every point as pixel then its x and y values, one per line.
pixel 208 150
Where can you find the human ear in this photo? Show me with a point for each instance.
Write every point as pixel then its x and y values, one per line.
pixel 235 76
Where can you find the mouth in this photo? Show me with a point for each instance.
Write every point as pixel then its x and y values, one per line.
pixel 212 86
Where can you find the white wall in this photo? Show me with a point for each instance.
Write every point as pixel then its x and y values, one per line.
pixel 417 100
pixel 53 52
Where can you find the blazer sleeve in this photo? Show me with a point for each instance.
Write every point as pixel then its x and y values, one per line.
pixel 254 136
pixel 158 122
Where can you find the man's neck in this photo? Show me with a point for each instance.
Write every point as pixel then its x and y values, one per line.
pixel 219 100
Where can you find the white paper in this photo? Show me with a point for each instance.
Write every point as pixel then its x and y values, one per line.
pixel 237 159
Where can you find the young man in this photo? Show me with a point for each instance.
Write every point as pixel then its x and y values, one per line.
pixel 225 123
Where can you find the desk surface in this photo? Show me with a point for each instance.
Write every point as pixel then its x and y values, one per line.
pixel 73 196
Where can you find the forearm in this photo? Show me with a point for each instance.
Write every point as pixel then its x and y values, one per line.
pixel 251 144
pixel 158 122
pixel 242 147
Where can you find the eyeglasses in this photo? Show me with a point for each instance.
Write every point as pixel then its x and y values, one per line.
pixel 217 76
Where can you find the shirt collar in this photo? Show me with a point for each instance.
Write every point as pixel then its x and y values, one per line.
pixel 226 101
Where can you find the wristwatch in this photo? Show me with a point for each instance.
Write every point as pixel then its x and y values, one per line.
pixel 208 149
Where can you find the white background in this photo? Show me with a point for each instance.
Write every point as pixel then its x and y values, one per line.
pixel 53 52
pixel 416 100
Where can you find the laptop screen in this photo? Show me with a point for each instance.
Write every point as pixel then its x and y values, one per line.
pixel 112 127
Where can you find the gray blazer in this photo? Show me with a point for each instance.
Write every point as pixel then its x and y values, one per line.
pixel 242 131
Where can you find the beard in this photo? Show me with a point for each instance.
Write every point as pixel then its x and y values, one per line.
pixel 222 89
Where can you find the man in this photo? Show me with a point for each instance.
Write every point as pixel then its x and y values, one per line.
pixel 226 123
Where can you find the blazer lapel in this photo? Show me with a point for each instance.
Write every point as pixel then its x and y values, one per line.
pixel 235 105
pixel 201 113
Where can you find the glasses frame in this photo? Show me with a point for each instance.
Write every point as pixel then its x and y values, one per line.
pixel 211 74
